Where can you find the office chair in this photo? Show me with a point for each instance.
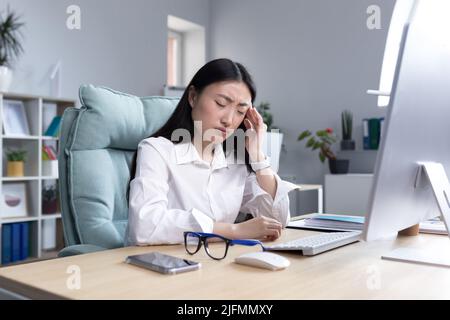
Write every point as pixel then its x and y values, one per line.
pixel 97 142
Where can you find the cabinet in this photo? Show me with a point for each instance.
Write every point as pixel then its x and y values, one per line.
pixel 348 193
pixel 39 217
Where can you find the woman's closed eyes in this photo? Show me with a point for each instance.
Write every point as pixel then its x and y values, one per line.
pixel 223 106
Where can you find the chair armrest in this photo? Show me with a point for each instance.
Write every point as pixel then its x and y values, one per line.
pixel 79 249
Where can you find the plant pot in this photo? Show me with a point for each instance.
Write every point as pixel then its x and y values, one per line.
pixel 5 78
pixel 347 144
pixel 49 207
pixel 338 166
pixel 15 169
pixel 50 168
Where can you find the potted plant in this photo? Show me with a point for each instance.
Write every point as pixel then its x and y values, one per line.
pixel 323 140
pixel 49 199
pixel 16 159
pixel 347 125
pixel 10 46
pixel 273 141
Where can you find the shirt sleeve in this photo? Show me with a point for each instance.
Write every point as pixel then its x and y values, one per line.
pixel 149 219
pixel 258 202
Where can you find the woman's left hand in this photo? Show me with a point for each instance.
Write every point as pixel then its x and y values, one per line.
pixel 254 140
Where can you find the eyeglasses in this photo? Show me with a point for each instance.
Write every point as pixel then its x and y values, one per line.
pixel 215 245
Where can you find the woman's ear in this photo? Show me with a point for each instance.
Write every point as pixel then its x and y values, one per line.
pixel 192 96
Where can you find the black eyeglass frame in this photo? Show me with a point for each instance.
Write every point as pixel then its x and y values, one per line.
pixel 228 242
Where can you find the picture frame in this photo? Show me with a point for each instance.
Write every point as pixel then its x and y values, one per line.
pixel 15 120
pixel 14 197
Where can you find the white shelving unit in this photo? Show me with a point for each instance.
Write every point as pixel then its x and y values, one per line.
pixel 37 111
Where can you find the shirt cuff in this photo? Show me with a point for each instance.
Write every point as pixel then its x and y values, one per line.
pixel 283 188
pixel 205 222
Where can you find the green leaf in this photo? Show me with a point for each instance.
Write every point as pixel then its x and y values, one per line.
pixel 322 157
pixel 304 134
pixel 317 145
pixel 321 133
pixel 310 142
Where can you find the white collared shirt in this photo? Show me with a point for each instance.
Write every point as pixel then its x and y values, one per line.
pixel 174 190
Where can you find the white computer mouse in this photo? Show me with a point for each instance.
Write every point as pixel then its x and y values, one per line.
pixel 266 260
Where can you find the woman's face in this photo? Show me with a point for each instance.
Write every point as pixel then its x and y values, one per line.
pixel 221 108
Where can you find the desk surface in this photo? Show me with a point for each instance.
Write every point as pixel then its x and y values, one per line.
pixel 355 271
pixel 307 187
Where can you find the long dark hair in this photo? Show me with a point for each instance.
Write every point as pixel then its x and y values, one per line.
pixel 214 71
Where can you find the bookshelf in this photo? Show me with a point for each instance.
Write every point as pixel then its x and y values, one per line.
pixel 44 231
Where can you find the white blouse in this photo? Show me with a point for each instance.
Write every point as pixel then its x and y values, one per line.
pixel 174 190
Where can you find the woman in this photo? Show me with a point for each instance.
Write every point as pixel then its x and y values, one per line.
pixel 191 174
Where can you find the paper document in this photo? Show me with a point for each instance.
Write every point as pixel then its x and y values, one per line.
pixel 330 222
pixel 434 225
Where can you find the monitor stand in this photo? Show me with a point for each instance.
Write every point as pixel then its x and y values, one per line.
pixel 429 173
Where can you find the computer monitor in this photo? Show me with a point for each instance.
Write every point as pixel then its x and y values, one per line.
pixel 410 183
pixel 400 16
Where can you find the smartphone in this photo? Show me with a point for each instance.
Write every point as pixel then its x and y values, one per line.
pixel 163 263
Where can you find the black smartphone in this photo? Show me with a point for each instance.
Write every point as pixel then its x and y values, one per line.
pixel 163 263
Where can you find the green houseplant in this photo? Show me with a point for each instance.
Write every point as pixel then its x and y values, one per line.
pixel 10 45
pixel 322 140
pixel 16 160
pixel 263 109
pixel 347 127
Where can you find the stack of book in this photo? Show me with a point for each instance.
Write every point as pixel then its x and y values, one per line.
pixel 48 153
pixel 329 222
pixel 335 222
pixel 372 129
pixel 15 242
pixel 339 222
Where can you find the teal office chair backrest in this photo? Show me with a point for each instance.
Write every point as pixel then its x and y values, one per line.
pixel 96 148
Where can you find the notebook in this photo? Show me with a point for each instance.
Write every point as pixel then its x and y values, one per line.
pixel 337 222
pixel 434 225
pixel 332 222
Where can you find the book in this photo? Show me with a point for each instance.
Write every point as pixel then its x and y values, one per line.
pixel 366 144
pixel 50 153
pixel 45 155
pixel 6 243
pixel 53 128
pixel 15 242
pixel 374 133
pixel 24 240
pixel 331 222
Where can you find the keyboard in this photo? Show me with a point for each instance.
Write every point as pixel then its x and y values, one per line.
pixel 318 243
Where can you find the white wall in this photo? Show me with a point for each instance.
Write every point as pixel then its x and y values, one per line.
pixel 121 44
pixel 194 57
pixel 310 59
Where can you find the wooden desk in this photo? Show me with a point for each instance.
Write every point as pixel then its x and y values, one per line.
pixel 351 272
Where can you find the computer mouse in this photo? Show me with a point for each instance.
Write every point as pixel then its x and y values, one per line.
pixel 265 260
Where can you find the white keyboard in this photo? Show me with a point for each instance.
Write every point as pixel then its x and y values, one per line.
pixel 318 243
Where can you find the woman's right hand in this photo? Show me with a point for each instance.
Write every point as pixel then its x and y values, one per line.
pixel 258 228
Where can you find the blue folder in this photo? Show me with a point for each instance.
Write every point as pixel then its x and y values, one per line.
pixel 15 242
pixel 24 240
pixel 53 128
pixel 6 243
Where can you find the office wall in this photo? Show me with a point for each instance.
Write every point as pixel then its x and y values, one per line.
pixel 121 44
pixel 310 59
